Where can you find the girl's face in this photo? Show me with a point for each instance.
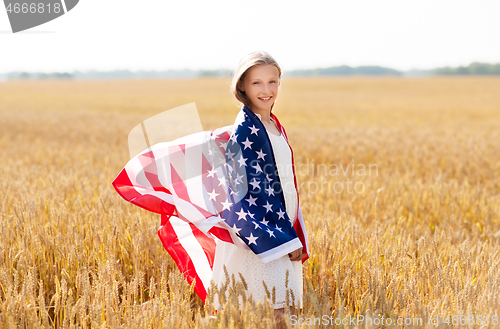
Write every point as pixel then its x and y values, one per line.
pixel 260 85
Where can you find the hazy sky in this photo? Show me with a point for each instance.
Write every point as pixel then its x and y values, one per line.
pixel 162 34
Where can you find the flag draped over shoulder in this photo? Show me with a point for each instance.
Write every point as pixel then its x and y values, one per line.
pixel 222 184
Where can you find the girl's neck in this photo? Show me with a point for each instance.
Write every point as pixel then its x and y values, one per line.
pixel 265 115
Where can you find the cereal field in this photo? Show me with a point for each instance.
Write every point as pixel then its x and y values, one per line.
pixel 399 187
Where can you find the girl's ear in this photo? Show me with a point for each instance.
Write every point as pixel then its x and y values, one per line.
pixel 240 86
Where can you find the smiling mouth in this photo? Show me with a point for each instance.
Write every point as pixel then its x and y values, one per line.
pixel 265 99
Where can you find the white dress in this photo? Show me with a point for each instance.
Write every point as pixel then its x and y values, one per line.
pixel 248 264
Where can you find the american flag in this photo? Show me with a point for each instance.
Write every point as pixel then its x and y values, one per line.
pixel 222 184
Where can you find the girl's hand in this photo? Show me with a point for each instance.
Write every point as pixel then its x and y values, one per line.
pixel 296 255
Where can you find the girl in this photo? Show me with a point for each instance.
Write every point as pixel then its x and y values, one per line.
pixel 253 226
pixel 256 84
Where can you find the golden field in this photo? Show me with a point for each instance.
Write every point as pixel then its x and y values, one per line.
pixel 420 237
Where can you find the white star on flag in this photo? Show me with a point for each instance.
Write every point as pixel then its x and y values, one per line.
pixel 254 130
pixel 261 154
pixel 268 206
pixel 242 214
pixel 242 160
pixel 257 168
pixel 270 190
pixel 236 229
pixel 230 155
pixel 251 239
pixel 247 144
pixel 251 201
pixel 255 183
pixel 211 172
pixel 226 205
pixel 213 195
pixel 222 181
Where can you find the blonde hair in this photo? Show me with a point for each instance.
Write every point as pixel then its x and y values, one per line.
pixel 259 57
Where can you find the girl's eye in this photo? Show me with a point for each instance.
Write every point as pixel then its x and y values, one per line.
pixel 255 83
pixel 273 81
